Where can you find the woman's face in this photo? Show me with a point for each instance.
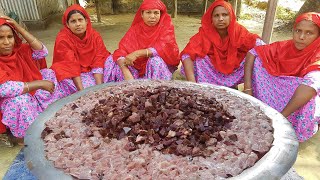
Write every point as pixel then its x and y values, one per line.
pixel 220 18
pixel 151 17
pixel 6 40
pixel 77 24
pixel 305 33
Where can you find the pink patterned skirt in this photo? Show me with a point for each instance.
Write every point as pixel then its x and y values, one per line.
pixel 156 69
pixel 87 79
pixel 205 72
pixel 20 110
pixel 276 91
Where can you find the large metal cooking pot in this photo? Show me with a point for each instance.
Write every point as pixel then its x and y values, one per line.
pixel 273 165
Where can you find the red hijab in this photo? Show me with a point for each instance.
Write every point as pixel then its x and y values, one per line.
pixel 140 36
pixel 282 58
pixel 226 55
pixel 73 55
pixel 19 66
pixel 2 126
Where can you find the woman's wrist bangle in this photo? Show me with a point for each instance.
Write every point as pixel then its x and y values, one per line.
pixel 26 84
pixel 147 52
pixel 249 89
pixel 33 41
pixel 122 65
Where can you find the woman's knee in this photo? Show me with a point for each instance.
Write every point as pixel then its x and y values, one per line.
pixel 23 100
pixel 157 62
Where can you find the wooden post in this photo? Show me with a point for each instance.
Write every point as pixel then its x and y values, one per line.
pixel 98 10
pixel 239 4
pixel 114 7
pixel 268 21
pixel 205 4
pixel 234 4
pixel 175 9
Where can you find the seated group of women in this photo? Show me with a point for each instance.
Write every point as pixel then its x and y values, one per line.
pixel 284 75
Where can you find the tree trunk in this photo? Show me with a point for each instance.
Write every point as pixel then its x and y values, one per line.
pixel 310 6
pixel 76 1
pixel 98 10
pixel 239 9
pixel 234 4
pixel 175 9
pixel 268 21
pixel 65 4
pixel 205 4
pixel 115 7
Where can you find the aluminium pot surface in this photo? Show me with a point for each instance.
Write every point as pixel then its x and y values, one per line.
pixel 273 165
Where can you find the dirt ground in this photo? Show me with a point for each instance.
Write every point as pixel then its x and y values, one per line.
pixel 113 27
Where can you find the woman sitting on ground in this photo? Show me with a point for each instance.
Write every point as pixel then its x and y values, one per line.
pixel 286 75
pixel 149 49
pixel 216 53
pixel 79 52
pixel 25 89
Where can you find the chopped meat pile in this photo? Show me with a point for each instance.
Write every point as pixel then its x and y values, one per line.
pixel 173 121
pixel 157 130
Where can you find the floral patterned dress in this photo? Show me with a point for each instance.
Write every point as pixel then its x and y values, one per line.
pixel 156 69
pixel 68 87
pixel 276 91
pixel 20 110
pixel 205 72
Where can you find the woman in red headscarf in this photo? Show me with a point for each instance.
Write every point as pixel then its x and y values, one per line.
pixel 79 52
pixel 286 75
pixel 26 88
pixel 148 49
pixel 216 53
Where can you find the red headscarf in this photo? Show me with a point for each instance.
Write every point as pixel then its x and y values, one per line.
pixel 140 36
pixel 73 55
pixel 282 58
pixel 226 55
pixel 2 126
pixel 19 66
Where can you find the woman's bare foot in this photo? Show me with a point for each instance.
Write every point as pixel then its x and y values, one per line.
pixel 19 141
pixel 6 140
